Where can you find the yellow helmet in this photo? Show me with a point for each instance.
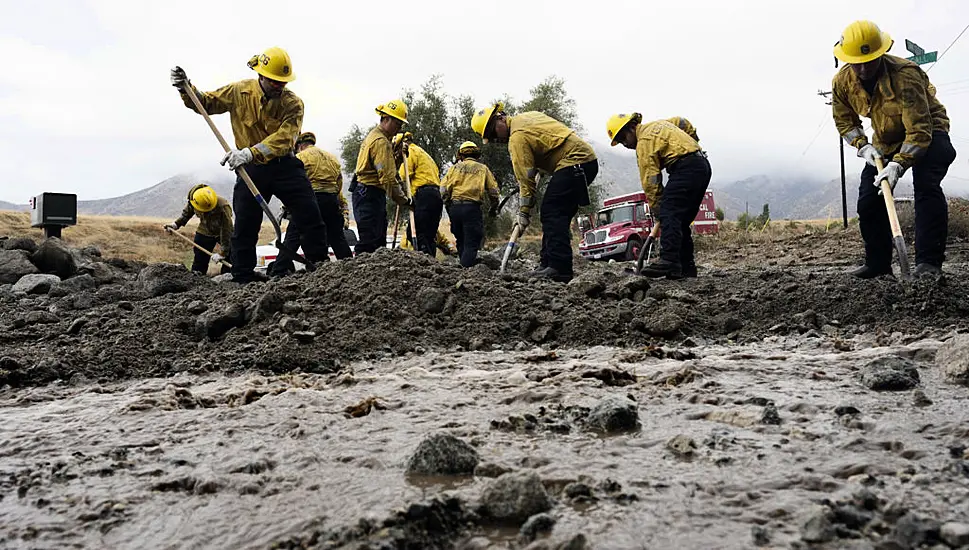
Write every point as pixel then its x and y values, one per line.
pixel 273 64
pixel 468 148
pixel 306 137
pixel 862 42
pixel 480 119
pixel 204 199
pixel 404 136
pixel 396 109
pixel 616 123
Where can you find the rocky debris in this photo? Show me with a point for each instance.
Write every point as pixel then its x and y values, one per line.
pixel 44 317
pixel 539 524
pixel 196 307
pixel 443 454
pixel 913 531
pixel 103 273
pixel 817 525
pixel 76 325
pixel 431 299
pixel 770 415
pixel 53 256
pixel 20 243
pixel 160 279
pixel 730 323
pixel 266 305
pixel 217 321
pixel 953 357
pixel 14 264
pixel 955 534
pixel 514 497
pixel 682 446
pixel 846 410
pixel 890 374
pixel 614 414
pixel 760 535
pixel 490 469
pixel 664 325
pixel 590 286
pixel 304 336
pixel 73 285
pixel 35 283
pixel 610 376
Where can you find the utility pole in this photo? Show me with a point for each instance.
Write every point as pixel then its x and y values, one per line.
pixel 844 189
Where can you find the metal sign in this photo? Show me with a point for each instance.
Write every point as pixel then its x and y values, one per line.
pixel 924 58
pixel 913 47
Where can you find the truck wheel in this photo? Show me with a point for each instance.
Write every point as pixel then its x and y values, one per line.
pixel 632 249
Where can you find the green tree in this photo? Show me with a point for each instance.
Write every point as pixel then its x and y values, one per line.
pixel 721 215
pixel 764 217
pixel 350 148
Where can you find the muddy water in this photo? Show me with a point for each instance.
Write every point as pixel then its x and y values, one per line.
pixel 249 462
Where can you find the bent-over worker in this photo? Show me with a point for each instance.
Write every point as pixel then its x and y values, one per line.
pixel 215 226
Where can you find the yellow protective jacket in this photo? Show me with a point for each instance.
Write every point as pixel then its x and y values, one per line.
pixel 903 110
pixel 659 144
pixel 686 126
pixel 469 180
pixel 214 223
pixel 442 242
pixel 375 162
pixel 268 127
pixel 539 141
pixel 322 169
pixel 423 169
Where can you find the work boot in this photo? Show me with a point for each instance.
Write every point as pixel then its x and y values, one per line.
pixel 927 271
pixel 868 272
pixel 689 271
pixel 663 268
pixel 552 274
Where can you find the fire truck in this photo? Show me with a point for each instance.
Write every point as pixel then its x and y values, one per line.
pixel 619 229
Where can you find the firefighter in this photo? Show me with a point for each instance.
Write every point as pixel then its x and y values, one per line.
pixel 424 190
pixel 215 225
pixel 911 130
pixel 537 143
pixel 464 188
pixel 323 171
pixel 668 144
pixel 376 175
pixel 266 118
pixel 441 243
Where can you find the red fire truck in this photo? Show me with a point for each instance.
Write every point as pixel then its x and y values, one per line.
pixel 618 230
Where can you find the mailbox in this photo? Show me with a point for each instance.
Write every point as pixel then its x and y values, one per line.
pixel 53 211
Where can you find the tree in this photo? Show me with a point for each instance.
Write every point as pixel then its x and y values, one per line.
pixel 721 215
pixel 764 217
pixel 350 148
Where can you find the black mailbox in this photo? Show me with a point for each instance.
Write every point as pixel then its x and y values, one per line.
pixel 53 211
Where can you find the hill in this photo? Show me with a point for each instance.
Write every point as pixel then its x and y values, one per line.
pixel 4 205
pixel 165 199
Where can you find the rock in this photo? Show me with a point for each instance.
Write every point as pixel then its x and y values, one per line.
pixel 217 321
pixel 632 288
pixel 842 410
pixel 490 469
pixel 912 531
pixel 664 325
pixel 682 446
pixel 955 534
pixel 890 374
pixel 431 299
pixel 760 536
pixel 126 305
pixel 77 325
pixel 953 357
pixel 577 490
pixel 73 285
pixel 14 264
pixel 266 305
pixel 577 542
pixel 103 273
pixel 730 323
pixel 291 325
pixel 161 279
pixel 919 399
pixel 614 414
pixel 514 497
pixel 304 336
pixel 817 526
pixel 586 286
pixel 35 283
pixel 20 243
pixel 53 256
pixel 91 251
pixel 539 524
pixel 443 454
pixel 195 307
pixel 770 415
pixel 35 317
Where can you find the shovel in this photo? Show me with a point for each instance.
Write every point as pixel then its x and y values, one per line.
pixel 193 243
pixel 412 230
pixel 248 181
pixel 644 252
pixel 513 241
pixel 900 248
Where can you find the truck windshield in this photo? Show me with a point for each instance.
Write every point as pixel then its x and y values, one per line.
pixel 615 215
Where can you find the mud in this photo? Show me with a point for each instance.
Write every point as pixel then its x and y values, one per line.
pixel 758 405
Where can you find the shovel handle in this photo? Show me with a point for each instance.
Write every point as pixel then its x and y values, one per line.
pixel 193 243
pixel 889 201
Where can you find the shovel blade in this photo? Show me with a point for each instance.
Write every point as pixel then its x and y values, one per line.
pixel 902 252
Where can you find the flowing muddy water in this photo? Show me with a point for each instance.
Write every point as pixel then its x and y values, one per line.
pixel 737 446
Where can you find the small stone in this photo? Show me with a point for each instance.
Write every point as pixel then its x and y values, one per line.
pixel 955 534
pixel 304 336
pixel 20 243
pixel 730 323
pixel 490 469
pixel 216 322
pixel 953 357
pixel 664 325
pixel 126 305
pixel 890 374
pixel 35 283
pixel 682 445
pixel 196 307
pixel 614 414
pixel 842 410
pixel 919 399
pixel 817 526
pixel 539 524
pixel 266 305
pixel 291 325
pixel 770 415
pixel 912 531
pixel 77 325
pixel 73 285
pixel 760 535
pixel 432 299
pixel 443 454
pixel 514 497
pixel 577 490
pixel 292 308
pixel 161 279
pixel 43 317
pixel 587 286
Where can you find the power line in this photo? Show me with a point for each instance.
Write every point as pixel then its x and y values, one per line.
pixel 947 48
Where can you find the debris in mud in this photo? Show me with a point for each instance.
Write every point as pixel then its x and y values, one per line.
pixel 613 415
pixel 161 279
pixel 214 323
pixel 363 408
pixel 890 374
pixel 953 357
pixel 539 524
pixel 514 497
pixel 610 376
pixel 682 446
pixel 770 415
pixel 443 454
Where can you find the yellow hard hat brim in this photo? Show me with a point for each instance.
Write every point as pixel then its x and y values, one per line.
pixel 278 78
pixel 858 60
pixel 391 115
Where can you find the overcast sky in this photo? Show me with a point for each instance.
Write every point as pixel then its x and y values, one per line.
pixel 86 105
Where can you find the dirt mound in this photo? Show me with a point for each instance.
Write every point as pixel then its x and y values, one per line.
pixel 394 303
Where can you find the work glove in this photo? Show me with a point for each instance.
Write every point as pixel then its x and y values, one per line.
pixel 532 174
pixel 522 220
pixel 892 172
pixel 869 153
pixel 179 78
pixel 216 258
pixel 171 227
pixel 237 158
